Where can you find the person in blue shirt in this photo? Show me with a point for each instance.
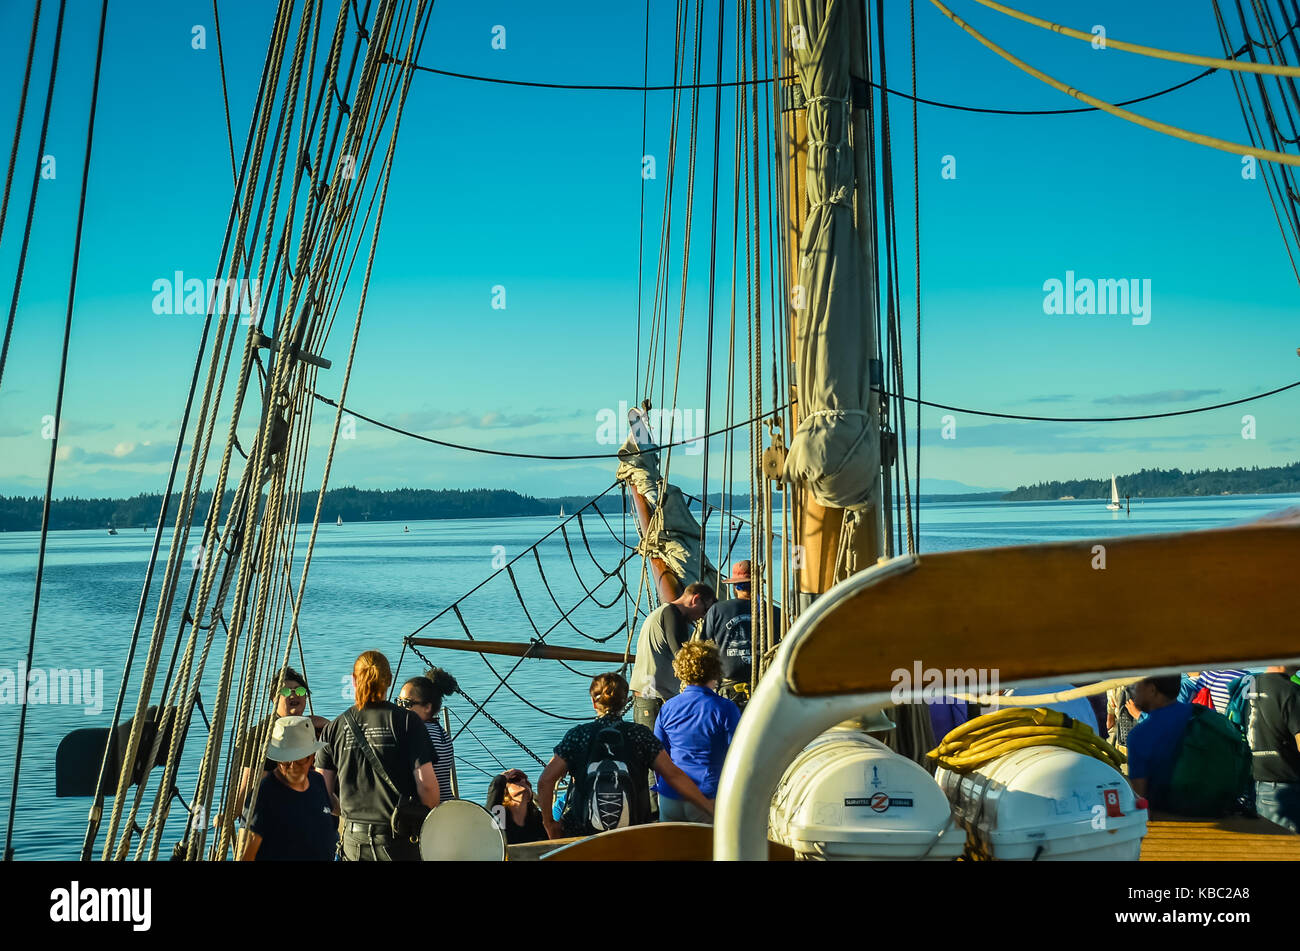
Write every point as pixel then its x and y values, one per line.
pixel 1153 743
pixel 696 728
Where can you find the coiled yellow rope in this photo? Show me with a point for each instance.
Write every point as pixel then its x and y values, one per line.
pixel 1185 134
pixel 983 739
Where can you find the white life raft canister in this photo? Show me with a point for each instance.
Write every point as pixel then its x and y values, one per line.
pixel 848 796
pixel 1045 803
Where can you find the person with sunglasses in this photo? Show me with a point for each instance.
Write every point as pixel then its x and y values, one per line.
pixel 292 817
pixel 512 804
pixel 289 693
pixel 423 696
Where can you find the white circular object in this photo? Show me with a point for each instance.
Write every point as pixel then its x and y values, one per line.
pixel 461 831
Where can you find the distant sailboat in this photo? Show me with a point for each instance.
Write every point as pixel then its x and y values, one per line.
pixel 561 515
pixel 1114 495
pixel 112 530
pixel 339 522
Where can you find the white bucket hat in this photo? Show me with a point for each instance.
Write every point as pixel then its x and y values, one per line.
pixel 293 738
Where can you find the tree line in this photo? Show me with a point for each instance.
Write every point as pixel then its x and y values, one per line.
pixel 19 514
pixel 1167 483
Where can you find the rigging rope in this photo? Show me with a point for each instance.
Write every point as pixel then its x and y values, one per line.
pixel 22 109
pixel 1191 59
pixel 939 104
pixel 58 411
pixel 36 184
pixel 1186 135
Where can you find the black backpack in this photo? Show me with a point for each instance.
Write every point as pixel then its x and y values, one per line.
pixel 610 794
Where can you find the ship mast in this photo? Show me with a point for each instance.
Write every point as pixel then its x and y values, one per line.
pixel 839 530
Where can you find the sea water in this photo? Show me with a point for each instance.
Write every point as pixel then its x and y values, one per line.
pixel 372 583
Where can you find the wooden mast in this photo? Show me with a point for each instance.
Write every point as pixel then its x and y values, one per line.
pixel 818 528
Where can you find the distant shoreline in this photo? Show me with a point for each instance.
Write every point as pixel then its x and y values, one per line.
pixel 98 514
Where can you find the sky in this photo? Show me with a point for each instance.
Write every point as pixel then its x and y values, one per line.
pixel 540 191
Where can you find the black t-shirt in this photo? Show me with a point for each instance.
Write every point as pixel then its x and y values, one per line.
pixel 531 831
pixel 641 746
pixel 294 826
pixel 728 624
pixel 402 744
pixel 1274 723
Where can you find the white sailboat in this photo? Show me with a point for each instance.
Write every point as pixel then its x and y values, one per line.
pixel 561 515
pixel 1114 495
pixel 339 523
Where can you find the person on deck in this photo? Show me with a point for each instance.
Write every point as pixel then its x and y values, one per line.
pixel 663 633
pixel 511 802
pixel 289 693
pixel 292 817
pixel 423 696
pixel 728 624
pixel 578 750
pixel 696 728
pixel 1217 682
pixel 399 741
pixel 1153 742
pixel 1120 720
pixel 1274 732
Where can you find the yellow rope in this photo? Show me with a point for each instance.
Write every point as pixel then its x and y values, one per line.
pixel 1186 135
pixel 983 739
pixel 1191 59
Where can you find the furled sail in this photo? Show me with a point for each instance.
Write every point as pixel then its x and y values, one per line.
pixel 835 452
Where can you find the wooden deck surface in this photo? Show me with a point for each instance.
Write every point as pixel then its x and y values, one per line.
pixel 1234 839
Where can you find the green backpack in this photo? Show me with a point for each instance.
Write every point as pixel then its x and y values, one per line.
pixel 1211 767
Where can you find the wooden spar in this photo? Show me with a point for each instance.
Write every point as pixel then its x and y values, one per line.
pixel 1195 600
pixel 818 528
pixel 516 649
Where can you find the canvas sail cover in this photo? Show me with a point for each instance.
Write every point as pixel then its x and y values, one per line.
pixel 835 452
pixel 673 534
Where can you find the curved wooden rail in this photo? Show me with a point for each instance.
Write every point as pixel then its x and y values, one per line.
pixel 1190 601
pixel 656 842
pixel 1077 610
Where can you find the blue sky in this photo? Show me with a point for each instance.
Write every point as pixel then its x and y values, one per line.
pixel 538 191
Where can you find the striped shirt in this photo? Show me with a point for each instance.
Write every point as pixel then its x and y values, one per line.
pixel 442 746
pixel 1218 681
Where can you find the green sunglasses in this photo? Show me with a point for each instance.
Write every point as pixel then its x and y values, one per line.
pixel 293 691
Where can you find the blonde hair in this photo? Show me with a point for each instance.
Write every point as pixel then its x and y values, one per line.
pixel 698 663
pixel 371 678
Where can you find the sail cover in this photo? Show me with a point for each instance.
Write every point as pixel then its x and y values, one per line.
pixel 673 534
pixel 835 451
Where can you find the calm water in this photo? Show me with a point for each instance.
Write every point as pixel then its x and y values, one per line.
pixel 373 583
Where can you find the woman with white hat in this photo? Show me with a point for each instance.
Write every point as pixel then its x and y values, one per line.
pixel 292 817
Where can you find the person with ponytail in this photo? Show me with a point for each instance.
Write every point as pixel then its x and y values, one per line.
pixel 401 744
pixel 610 761
pixel 423 696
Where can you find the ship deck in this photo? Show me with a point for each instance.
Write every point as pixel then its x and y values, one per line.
pixel 1233 839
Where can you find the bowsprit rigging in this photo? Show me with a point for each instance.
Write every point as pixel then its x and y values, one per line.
pixel 249 561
